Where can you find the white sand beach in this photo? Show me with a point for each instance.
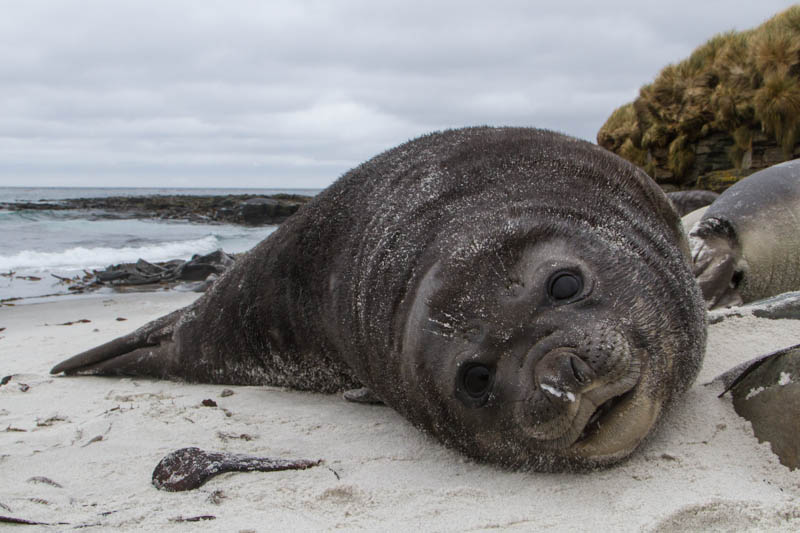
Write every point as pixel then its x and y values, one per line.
pixel 99 439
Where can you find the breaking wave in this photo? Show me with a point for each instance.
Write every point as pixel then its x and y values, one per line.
pixel 88 258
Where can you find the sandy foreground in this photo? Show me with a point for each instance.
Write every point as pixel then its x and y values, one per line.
pixel 100 438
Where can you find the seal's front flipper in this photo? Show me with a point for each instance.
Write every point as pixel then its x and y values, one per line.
pixel 717 262
pixel 148 351
pixel 362 395
pixel 718 272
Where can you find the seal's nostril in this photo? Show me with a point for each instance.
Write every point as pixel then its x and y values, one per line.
pixel 564 371
pixel 572 371
pixel 580 370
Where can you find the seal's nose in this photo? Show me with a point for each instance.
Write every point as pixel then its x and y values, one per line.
pixel 562 373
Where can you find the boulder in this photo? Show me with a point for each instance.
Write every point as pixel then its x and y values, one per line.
pixel 142 272
pixel 261 211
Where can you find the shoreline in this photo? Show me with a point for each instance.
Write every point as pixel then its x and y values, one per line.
pixel 102 292
pixel 48 252
pixel 75 289
pixel 100 438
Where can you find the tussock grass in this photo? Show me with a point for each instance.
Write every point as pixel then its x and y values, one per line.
pixel 737 83
pixel 777 104
pixel 681 156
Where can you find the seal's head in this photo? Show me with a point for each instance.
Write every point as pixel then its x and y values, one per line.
pixel 551 346
pixel 551 330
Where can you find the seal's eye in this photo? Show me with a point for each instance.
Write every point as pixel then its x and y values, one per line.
pixel 565 285
pixel 475 380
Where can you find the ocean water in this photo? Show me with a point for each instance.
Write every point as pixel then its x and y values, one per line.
pixel 49 194
pixel 43 243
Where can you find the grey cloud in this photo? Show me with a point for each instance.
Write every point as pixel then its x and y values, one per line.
pixel 269 93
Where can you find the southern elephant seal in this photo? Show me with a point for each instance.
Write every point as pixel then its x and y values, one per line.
pixel 747 244
pixel 523 296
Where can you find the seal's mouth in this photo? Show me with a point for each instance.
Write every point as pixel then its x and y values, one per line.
pixel 605 410
pixel 617 426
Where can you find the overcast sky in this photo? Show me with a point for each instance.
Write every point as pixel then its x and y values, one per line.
pixel 292 94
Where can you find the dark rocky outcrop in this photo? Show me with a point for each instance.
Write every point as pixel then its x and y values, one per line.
pixel 730 109
pixel 246 209
pixel 259 211
pixel 685 202
pixel 200 268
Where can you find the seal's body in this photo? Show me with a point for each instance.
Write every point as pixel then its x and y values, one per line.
pixel 523 296
pixel 747 244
